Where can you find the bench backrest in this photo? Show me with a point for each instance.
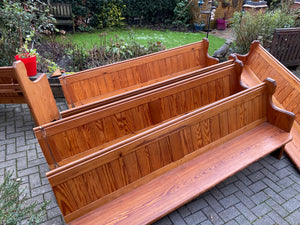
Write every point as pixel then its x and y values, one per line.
pixel 105 81
pixel 263 64
pixel 61 10
pixel 75 136
pixel 118 97
pixel 16 87
pixel 108 173
pixel 286 46
pixel 10 90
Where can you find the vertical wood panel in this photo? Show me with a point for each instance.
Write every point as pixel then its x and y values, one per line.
pixel 212 90
pixel 205 131
pixel 107 179
pixel 79 190
pixel 165 151
pixel 197 136
pixel 232 116
pixel 93 184
pixel 224 129
pixel 123 78
pixel 118 173
pixel 215 128
pixel 177 149
pixel 143 158
pixel 155 156
pixel 205 94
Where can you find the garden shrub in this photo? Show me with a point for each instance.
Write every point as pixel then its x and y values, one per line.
pixel 13 207
pixel 182 13
pixel 250 26
pixel 18 20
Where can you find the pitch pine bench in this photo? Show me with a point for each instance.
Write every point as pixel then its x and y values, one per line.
pixel 258 64
pixel 105 81
pixel 147 175
pixel 76 136
pixel 16 87
pixel 92 105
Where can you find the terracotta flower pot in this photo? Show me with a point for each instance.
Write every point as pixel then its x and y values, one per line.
pixel 29 62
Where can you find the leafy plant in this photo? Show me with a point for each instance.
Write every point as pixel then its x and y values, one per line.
pixel 182 13
pixel 258 26
pixel 13 208
pixel 19 19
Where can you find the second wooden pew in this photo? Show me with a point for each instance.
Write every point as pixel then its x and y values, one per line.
pixel 76 136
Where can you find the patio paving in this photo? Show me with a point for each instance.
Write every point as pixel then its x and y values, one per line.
pixel 267 192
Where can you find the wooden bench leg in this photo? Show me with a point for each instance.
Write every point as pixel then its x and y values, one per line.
pixel 278 152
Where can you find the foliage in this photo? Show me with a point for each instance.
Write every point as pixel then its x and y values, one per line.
pixel 258 26
pixel 182 13
pixel 17 20
pixel 111 15
pixel 13 208
pixel 152 11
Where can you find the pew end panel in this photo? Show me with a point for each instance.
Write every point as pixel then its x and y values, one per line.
pixel 259 64
pixel 38 94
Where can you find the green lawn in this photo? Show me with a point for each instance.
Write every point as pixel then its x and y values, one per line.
pixel 170 39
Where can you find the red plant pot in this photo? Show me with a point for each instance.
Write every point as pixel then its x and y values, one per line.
pixel 30 64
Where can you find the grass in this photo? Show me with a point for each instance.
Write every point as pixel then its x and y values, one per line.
pixel 170 39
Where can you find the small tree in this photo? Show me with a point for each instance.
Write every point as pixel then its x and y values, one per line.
pixel 13 209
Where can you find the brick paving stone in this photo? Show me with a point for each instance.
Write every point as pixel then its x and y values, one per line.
pixel 274 196
pixel 291 205
pixel 213 203
pixel 245 199
pixel 259 197
pixel 246 211
pixel 229 201
pixel 164 221
pixel 241 219
pixel 229 214
pixel 256 176
pixel 288 193
pixel 243 188
pixel 196 205
pixel 257 186
pixel 212 216
pixel 264 220
pixel 261 209
pixel 229 189
pixel 195 218
pixel 176 218
pixel 277 218
pixel 293 218
pixel 271 184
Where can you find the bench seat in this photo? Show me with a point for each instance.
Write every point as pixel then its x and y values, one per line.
pixel 178 186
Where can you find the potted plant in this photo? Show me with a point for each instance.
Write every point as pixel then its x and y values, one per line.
pixel 28 55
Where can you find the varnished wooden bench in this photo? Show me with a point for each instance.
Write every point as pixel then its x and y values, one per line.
pixel 147 175
pixel 137 91
pixel 16 87
pixel 258 64
pixel 109 80
pixel 76 136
